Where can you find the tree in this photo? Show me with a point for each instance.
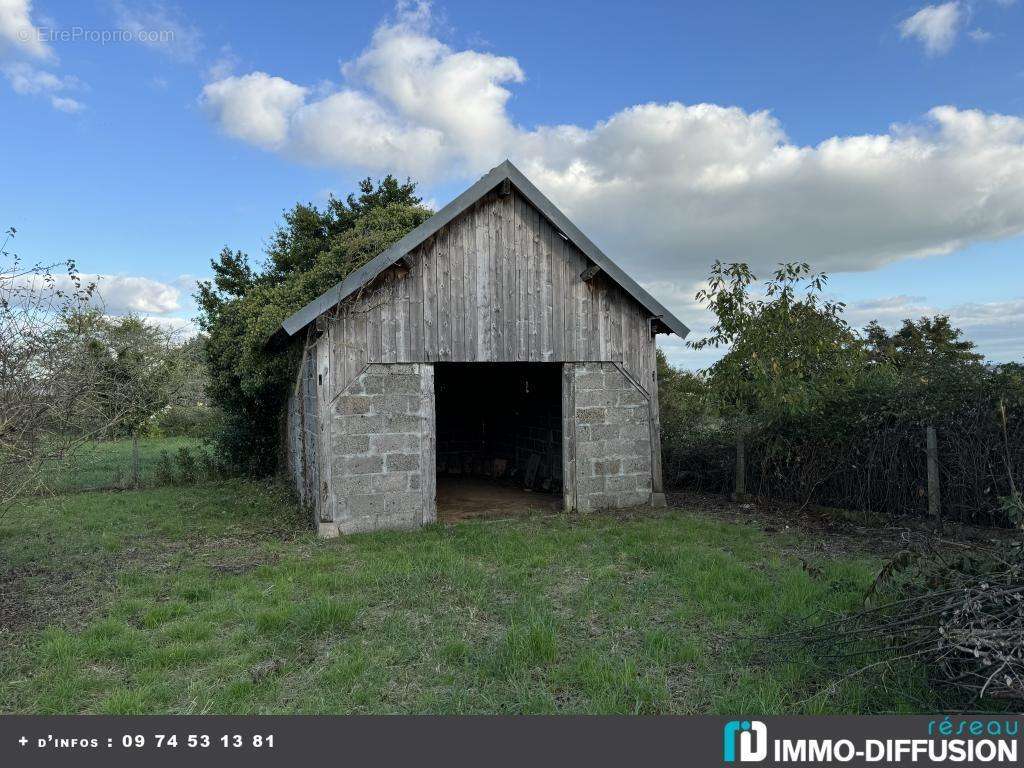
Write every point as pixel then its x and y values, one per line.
pixel 785 348
pixel 138 368
pixel 927 343
pixel 682 395
pixel 39 385
pixel 243 306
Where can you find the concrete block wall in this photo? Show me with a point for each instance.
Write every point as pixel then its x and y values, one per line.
pixel 613 439
pixel 382 449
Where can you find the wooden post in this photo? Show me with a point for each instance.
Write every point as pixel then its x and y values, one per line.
pixel 569 437
pixel 934 506
pixel 741 466
pixel 135 460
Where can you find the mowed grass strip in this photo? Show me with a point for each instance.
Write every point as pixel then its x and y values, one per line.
pixel 215 599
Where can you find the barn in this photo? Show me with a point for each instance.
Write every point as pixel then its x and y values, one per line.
pixel 493 359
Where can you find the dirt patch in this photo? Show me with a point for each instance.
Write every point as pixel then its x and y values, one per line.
pixel 471 498
pixel 35 596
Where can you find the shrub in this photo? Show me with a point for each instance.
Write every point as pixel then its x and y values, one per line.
pixel 199 421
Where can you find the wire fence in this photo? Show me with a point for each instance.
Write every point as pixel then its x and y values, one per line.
pixel 120 465
pixel 977 465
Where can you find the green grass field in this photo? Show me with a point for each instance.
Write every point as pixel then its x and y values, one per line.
pixel 108 464
pixel 215 598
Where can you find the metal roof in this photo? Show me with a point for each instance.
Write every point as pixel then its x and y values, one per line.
pixel 488 182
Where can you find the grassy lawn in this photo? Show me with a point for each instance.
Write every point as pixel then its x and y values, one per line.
pixel 213 598
pixel 108 464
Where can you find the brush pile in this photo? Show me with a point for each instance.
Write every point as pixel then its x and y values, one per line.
pixel 955 608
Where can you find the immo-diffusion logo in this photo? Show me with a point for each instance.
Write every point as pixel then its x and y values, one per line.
pixel 752 736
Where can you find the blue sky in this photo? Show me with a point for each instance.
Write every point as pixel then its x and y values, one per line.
pixel 753 131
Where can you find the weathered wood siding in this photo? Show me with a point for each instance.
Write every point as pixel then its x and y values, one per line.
pixel 303 432
pixel 497 284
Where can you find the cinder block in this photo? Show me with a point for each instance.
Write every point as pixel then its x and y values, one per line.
pixel 362 424
pixel 613 378
pixel 351 444
pixel 630 395
pixel 401 423
pixel 401 404
pixel 397 385
pixel 616 415
pixel 363 465
pixel 591 415
pixel 599 501
pixel 348 405
pixel 621 483
pixel 595 397
pixel 388 443
pixel 637 464
pixel 589 379
pixel 397 462
pixel 349 485
pixel 389 482
pixel 365 505
pixel 372 384
pixel 328 530
pixel 591 485
pixel 604 431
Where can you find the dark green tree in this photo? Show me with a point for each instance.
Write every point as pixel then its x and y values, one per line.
pixel 242 307
pixel 920 345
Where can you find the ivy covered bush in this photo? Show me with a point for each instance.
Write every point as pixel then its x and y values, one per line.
pixel 244 305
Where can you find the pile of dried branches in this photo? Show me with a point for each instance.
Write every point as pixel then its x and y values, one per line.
pixel 955 608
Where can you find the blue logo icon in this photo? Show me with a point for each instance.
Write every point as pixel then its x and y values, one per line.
pixel 752 737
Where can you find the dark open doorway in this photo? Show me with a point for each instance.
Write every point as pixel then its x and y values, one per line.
pixel 499 438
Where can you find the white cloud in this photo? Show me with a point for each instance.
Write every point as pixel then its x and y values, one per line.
pixel 122 294
pixel 18 33
pixel 979 35
pixel 66 104
pixel 934 26
pixel 27 80
pixel 119 294
pixel 182 328
pixel 25 39
pixel 411 102
pixel 256 108
pixel 665 187
pixel 160 27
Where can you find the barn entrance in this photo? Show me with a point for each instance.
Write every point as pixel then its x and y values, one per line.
pixel 499 439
